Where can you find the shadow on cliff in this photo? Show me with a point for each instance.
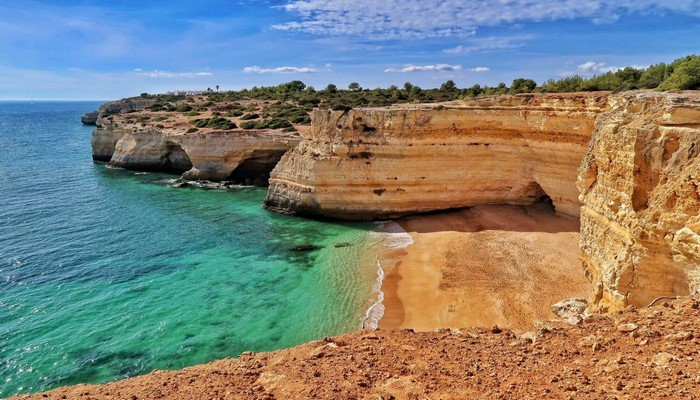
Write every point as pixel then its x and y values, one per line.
pixel 539 217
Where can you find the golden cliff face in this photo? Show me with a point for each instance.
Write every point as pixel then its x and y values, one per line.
pixel 640 188
pixel 378 163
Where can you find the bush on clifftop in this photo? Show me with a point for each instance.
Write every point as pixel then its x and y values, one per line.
pixel 214 123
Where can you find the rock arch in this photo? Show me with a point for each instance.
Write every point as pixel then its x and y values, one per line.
pixel 256 169
pixel 175 159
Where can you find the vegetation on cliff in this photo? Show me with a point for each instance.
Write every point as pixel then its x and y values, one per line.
pixel 681 74
pixel 286 106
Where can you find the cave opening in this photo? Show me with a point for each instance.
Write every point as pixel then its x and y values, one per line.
pixel 175 160
pixel 256 170
pixel 539 197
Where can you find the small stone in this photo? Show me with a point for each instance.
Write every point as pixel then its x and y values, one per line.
pixel 630 327
pixel 680 336
pixel 663 359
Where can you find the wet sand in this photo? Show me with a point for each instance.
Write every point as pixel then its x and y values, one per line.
pixel 483 266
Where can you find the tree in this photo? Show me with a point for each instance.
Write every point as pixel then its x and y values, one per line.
pixel 474 90
pixel 448 86
pixel 685 75
pixel 295 86
pixel 354 86
pixel 408 86
pixel 521 85
pixel 653 76
pixel 331 88
pixel 217 88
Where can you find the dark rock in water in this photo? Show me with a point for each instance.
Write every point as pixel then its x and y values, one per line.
pixel 89 118
pixel 305 248
pixel 343 244
pixel 181 183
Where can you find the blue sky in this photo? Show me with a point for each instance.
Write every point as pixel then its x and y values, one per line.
pixel 106 50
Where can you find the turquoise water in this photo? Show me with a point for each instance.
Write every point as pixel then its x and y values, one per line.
pixel 107 273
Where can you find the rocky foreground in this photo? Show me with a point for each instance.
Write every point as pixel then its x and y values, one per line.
pixel 651 352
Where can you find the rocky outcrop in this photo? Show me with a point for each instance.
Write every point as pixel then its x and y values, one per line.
pixel 245 157
pixel 640 188
pixel 378 163
pixel 128 105
pixel 90 118
pixel 104 142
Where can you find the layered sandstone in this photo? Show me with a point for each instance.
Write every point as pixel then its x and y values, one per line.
pixel 640 188
pixel 216 156
pixel 378 163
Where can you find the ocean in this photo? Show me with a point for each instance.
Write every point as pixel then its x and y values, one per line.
pixel 107 273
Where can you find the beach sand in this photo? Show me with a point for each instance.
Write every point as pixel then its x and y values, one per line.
pixel 482 266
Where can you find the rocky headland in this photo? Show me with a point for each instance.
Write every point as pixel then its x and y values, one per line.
pixel 139 134
pixel 593 195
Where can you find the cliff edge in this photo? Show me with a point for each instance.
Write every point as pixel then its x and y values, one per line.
pixel 383 163
pixel 640 189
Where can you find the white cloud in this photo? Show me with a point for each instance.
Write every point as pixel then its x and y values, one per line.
pixel 279 70
pixel 592 67
pixel 420 18
pixel 480 69
pixel 489 43
pixel 167 74
pixel 425 68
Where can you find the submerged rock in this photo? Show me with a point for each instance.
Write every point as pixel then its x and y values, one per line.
pixel 305 248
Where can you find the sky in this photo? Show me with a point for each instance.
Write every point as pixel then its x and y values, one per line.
pixel 106 50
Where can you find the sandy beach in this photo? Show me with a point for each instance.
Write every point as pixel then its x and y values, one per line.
pixel 482 266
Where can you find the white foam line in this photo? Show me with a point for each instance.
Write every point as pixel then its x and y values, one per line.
pixel 375 312
pixel 393 236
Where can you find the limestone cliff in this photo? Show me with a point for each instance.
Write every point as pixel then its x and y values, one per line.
pixel 639 182
pixel 245 157
pixel 378 163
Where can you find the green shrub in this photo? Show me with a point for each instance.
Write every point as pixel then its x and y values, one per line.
pixel 160 118
pixel 214 123
pixel 192 114
pixel 183 108
pixel 248 125
pixel 341 107
pixel 278 123
pixel 250 116
pixel 192 130
pixel 234 113
pixel 157 107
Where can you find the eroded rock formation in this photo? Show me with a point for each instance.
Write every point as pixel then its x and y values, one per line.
pixel 378 163
pixel 246 157
pixel 640 188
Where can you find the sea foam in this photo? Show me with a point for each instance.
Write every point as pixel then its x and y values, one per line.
pixel 391 236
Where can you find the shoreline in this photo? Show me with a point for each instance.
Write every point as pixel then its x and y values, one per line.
pixel 391 243
pixel 482 266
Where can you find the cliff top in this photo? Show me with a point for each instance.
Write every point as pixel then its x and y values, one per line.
pixel 199 114
pixel 650 352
